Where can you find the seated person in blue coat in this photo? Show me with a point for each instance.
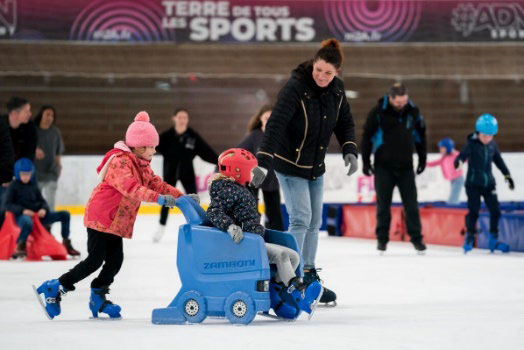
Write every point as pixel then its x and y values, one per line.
pixel 24 200
pixel 481 151
pixel 233 209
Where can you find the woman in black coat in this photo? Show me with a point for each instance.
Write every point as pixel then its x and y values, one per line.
pixel 309 109
pixel 270 188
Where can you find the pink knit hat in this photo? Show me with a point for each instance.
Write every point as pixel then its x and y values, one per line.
pixel 141 132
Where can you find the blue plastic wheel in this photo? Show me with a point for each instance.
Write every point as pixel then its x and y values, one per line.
pixel 193 306
pixel 240 308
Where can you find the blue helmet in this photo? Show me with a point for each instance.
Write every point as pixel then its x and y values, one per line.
pixel 23 165
pixel 447 143
pixel 487 124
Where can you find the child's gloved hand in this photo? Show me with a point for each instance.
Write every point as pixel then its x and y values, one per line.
pixel 194 197
pixel 166 200
pixel 259 175
pixel 235 232
pixel 511 183
pixel 457 163
pixel 351 160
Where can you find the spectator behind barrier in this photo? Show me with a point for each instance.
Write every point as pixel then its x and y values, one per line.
pixel 48 153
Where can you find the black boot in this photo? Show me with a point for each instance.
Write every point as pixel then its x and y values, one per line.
pixel 420 247
pixel 69 247
pixel 20 251
pixel 382 246
pixel 328 296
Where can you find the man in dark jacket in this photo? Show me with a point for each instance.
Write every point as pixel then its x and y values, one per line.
pixel 22 130
pixel 7 158
pixel 180 145
pixel 393 129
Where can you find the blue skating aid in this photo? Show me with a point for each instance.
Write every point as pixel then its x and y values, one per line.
pixel 219 278
pixel 469 242
pixel 53 292
pixel 99 304
pixel 495 244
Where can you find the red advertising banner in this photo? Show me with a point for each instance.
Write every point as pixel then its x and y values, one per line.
pixel 242 21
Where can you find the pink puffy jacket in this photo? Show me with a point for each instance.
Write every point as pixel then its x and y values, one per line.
pixel 446 163
pixel 125 181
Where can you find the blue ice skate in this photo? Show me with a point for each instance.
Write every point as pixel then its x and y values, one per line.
pixel 99 304
pixel 469 242
pixel 53 292
pixel 495 244
pixel 289 302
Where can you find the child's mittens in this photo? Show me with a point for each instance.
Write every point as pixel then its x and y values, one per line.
pixel 511 183
pixel 235 232
pixel 166 200
pixel 194 197
pixel 457 163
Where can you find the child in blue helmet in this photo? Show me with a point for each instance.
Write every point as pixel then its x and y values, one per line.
pixel 481 150
pixel 24 200
pixel 449 154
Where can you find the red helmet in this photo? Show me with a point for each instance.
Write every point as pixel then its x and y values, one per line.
pixel 237 163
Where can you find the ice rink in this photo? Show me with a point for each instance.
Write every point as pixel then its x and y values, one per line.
pixel 443 300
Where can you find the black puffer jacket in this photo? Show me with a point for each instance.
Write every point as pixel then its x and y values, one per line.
pixel 7 156
pixel 480 157
pixel 393 135
pixel 301 124
pixel 232 203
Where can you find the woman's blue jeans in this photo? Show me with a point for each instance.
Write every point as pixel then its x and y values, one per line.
pixel 304 205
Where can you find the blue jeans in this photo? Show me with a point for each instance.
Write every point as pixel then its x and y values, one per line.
pixel 25 222
pixel 456 188
pixel 304 204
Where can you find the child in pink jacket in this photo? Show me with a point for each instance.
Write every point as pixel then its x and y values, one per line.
pixel 126 180
pixel 449 153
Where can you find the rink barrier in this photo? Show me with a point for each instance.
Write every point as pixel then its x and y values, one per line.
pixel 144 209
pixel 441 224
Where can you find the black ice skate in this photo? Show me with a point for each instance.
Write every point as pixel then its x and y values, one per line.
pixel 420 247
pixel 381 247
pixel 328 298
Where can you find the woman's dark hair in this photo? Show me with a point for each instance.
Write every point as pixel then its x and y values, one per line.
pixel 15 103
pixel 38 117
pixel 331 52
pixel 178 110
pixel 254 122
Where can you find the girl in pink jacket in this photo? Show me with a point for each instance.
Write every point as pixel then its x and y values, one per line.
pixel 126 180
pixel 449 153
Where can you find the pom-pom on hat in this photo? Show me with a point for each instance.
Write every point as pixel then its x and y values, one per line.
pixel 141 132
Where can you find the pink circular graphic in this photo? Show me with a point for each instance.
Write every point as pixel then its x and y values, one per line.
pixel 388 20
pixel 128 20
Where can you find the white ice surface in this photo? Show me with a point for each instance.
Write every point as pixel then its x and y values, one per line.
pixel 443 300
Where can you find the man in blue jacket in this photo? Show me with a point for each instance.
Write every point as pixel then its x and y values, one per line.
pixel 480 151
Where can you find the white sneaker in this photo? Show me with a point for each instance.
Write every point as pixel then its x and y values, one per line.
pixel 157 236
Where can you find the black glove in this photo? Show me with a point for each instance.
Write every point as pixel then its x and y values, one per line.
pixel 351 160
pixel 457 163
pixel 511 183
pixel 259 175
pixel 368 169
pixel 421 167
